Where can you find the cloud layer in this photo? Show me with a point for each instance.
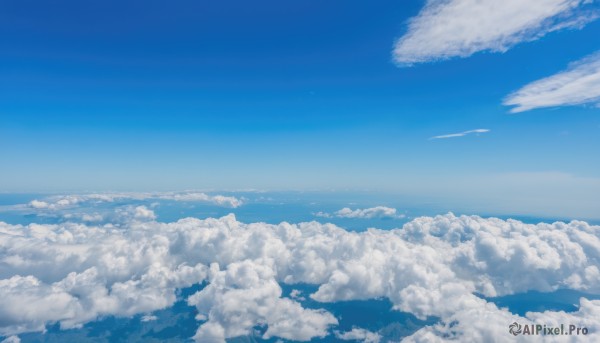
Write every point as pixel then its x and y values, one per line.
pixel 362 213
pixel 68 201
pixel 72 273
pixel 578 85
pixel 459 28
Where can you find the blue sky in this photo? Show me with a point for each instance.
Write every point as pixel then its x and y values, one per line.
pixel 150 95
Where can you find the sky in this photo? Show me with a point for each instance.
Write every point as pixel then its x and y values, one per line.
pixel 425 162
pixel 463 101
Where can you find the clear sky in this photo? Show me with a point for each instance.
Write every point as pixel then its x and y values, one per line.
pixel 155 95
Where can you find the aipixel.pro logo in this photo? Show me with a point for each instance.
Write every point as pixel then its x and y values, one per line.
pixel 538 329
pixel 514 328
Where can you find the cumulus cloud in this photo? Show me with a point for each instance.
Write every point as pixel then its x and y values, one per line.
pixel 142 212
pixel 73 273
pixel 38 204
pixel 487 323
pixel 366 213
pixel 68 201
pixel 93 217
pixel 247 294
pixel 461 134
pixel 358 334
pixel 578 85
pixel 459 28
pixel 12 339
pixel 297 294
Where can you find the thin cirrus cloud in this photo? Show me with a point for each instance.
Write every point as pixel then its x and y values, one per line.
pixel 459 28
pixel 461 134
pixel 578 85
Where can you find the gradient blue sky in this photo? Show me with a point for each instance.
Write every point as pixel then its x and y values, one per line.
pixel 154 95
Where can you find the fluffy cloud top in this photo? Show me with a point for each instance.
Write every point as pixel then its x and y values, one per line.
pixel 72 273
pixel 67 201
pixel 143 213
pixel 372 212
pixel 579 84
pixel 487 323
pixel 247 294
pixel 459 28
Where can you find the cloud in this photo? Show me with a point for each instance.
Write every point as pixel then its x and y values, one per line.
pixel 578 85
pixel 148 318
pixel 247 294
pixel 143 213
pixel 12 339
pixel 367 213
pixel 38 204
pixel 461 134
pixel 69 201
pixel 93 217
pixel 73 273
pixel 221 200
pixel 487 323
pixel 358 334
pixel 459 28
pixel 297 294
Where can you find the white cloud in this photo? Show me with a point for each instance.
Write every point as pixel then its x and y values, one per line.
pixel 461 134
pixel 578 85
pixel 297 294
pixel 142 212
pixel 38 204
pixel 93 217
pixel 459 28
pixel 358 334
pixel 73 273
pixel 55 203
pixel 12 339
pixel 222 200
pixel 487 323
pixel 247 294
pixel 148 318
pixel 68 201
pixel 372 212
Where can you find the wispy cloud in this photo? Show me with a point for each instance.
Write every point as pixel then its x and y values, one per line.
pixel 461 134
pixel 579 84
pixel 460 28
